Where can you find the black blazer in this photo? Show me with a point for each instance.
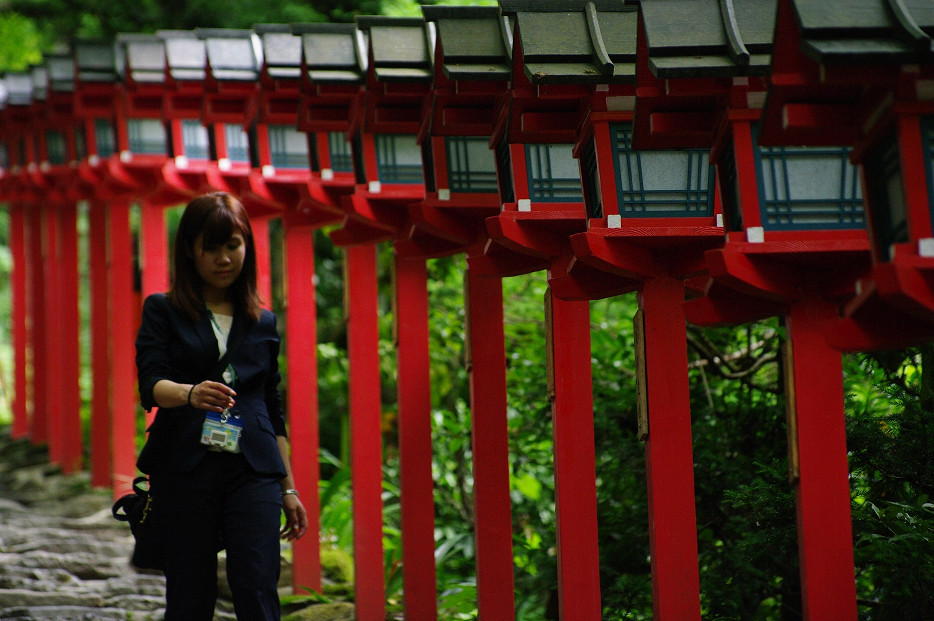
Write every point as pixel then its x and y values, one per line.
pixel 169 345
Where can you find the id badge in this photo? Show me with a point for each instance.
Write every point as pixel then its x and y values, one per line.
pixel 221 432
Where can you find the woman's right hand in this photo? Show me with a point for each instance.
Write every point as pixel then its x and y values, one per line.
pixel 212 396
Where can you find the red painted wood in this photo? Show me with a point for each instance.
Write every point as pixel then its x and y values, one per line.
pixel 261 242
pixel 520 177
pixel 39 421
pixel 574 462
pixel 365 433
pixel 825 537
pixel 668 453
pixel 122 349
pixel 746 185
pixel 68 388
pixel 155 258
pixel 155 248
pixel 101 415
pixel 492 509
pixel 415 449
pixel 19 317
pixel 913 162
pixel 301 328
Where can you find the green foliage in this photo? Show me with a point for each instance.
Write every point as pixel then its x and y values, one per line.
pixel 21 42
pixel 891 440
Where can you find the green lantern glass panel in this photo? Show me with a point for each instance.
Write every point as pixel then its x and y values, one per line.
pixel 590 180
pixel 195 139
pixel 398 158
pixel 147 136
pixel 673 183
pixel 808 188
pixel 104 136
pixel 81 145
pixel 471 164
pixel 553 173
pixel 238 143
pixel 886 196
pixel 288 147
pixel 339 149
pixel 927 136
pixel 55 147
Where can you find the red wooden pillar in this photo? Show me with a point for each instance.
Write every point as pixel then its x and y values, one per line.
pixel 18 290
pixel 301 351
pixel 67 383
pixel 492 508
pixel 101 420
pixel 575 463
pixel 155 248
pixel 415 451
pixel 155 258
pixel 52 323
pixel 822 489
pixel 366 446
pixel 260 228
pixel 39 423
pixel 122 347
pixel 668 453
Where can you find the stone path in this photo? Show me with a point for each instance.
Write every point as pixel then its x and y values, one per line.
pixel 62 555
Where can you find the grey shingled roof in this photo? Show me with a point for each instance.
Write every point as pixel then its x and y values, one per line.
pixel 95 61
pixel 332 53
pixel 143 56
pixel 476 41
pixel 401 48
pixel 233 54
pixel 282 51
pixel 18 88
pixel 576 42
pixel 866 31
pixel 185 54
pixel 61 72
pixel 710 38
pixel 40 82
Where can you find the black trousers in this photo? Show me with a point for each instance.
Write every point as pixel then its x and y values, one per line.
pixel 221 498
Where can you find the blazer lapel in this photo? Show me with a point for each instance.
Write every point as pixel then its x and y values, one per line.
pixel 237 331
pixel 205 333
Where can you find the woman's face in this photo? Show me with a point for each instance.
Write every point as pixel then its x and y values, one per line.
pixel 219 265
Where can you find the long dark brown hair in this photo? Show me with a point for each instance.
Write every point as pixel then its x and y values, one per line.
pixel 216 216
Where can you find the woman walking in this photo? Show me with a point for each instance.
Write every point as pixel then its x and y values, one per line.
pixel 217 451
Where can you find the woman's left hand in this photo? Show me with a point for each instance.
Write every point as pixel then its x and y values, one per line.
pixel 296 518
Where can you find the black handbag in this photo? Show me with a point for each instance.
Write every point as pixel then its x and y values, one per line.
pixel 136 510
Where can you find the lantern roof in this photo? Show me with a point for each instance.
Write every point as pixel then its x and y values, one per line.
pixel 95 61
pixel 233 55
pixel 709 38
pixel 401 48
pixel 40 82
pixel 141 57
pixel 866 31
pixel 282 51
pixel 60 68
pixel 18 88
pixel 576 42
pixel 185 54
pixel 476 41
pixel 332 53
